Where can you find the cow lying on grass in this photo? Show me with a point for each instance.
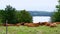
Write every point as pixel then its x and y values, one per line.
pixel 53 25
pixel 43 23
pixel 57 22
pixel 32 24
pixel 18 24
pixel 47 24
pixel 8 25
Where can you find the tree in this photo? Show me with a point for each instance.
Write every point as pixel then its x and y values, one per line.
pixel 56 16
pixel 1 15
pixel 24 16
pixel 10 14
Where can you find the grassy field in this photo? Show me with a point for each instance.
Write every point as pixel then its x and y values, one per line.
pixel 30 30
pixel 2 30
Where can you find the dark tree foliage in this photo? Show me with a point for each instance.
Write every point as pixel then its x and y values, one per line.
pixel 24 16
pixel 2 14
pixel 56 16
pixel 10 15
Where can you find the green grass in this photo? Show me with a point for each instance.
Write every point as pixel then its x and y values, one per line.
pixel 30 30
pixel 2 30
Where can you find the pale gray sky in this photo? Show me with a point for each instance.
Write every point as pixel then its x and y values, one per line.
pixel 31 5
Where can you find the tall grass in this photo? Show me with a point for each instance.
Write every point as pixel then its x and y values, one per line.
pixel 30 30
pixel 2 30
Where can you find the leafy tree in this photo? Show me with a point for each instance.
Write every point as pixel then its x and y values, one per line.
pixel 56 16
pixel 24 16
pixel 10 15
pixel 1 15
pixel 18 16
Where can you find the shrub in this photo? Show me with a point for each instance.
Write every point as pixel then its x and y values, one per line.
pixel 24 16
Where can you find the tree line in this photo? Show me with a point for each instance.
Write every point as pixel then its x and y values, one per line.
pixel 14 16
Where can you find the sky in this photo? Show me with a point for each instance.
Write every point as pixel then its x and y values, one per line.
pixel 30 5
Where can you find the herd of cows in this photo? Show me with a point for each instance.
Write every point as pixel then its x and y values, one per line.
pixel 34 24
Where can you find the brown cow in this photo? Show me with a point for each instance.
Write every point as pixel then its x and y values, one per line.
pixel 37 24
pixel 8 24
pixel 43 23
pixel 47 24
pixel 57 22
pixel 25 24
pixel 31 24
pixel 5 24
pixel 18 24
pixel 53 25
pixel 22 23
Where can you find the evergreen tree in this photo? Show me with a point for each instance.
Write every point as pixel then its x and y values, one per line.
pixel 24 16
pixel 56 16
pixel 10 14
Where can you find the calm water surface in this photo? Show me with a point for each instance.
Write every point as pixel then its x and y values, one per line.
pixel 37 19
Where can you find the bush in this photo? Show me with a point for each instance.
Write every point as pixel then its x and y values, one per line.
pixel 24 16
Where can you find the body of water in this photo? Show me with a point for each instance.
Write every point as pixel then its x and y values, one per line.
pixel 37 19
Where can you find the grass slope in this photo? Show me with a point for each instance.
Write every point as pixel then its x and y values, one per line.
pixel 30 30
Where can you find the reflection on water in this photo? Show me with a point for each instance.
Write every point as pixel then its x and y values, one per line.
pixel 41 19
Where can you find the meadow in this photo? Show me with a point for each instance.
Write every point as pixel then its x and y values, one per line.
pixel 30 30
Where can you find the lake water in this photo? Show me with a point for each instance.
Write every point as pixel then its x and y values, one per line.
pixel 37 19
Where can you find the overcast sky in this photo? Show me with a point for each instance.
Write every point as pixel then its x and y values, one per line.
pixel 30 5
